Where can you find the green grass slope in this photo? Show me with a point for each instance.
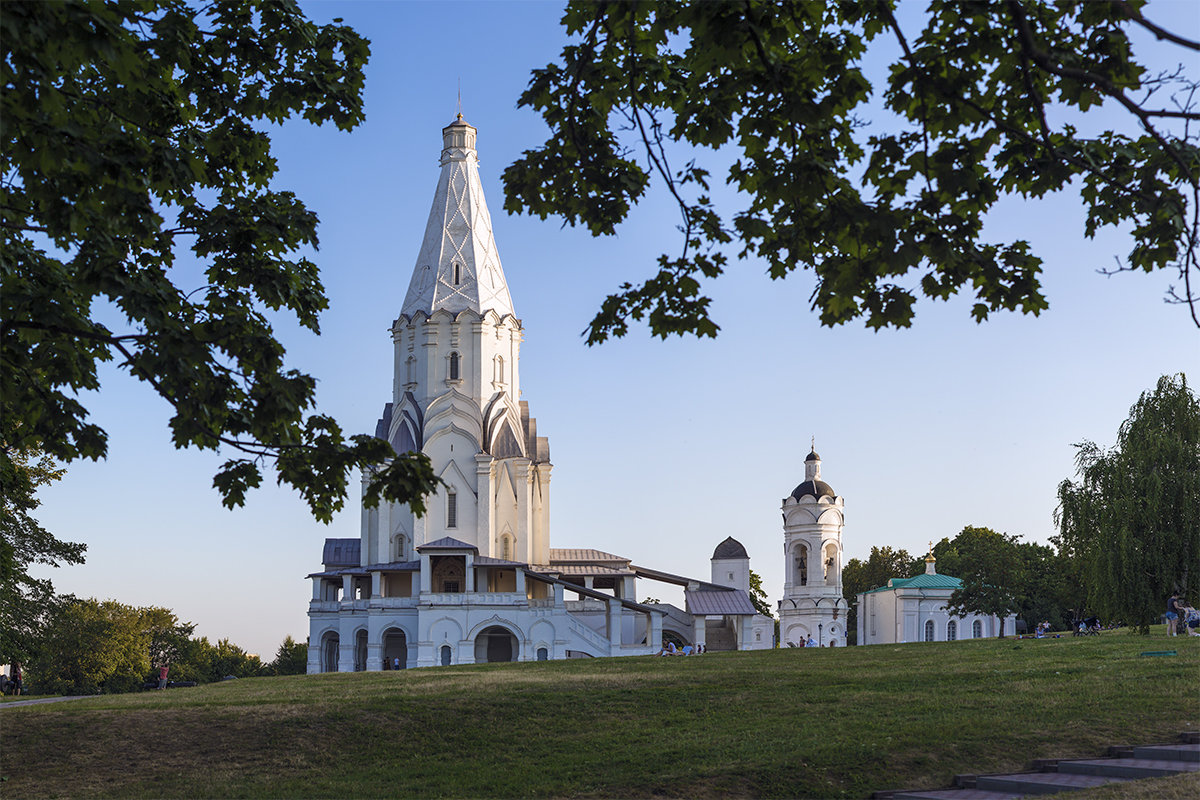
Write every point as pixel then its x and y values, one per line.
pixel 787 723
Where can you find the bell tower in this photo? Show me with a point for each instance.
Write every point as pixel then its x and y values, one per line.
pixel 812 603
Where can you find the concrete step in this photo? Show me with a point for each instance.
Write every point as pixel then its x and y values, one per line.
pixel 1127 767
pixel 954 794
pixel 1169 752
pixel 1041 782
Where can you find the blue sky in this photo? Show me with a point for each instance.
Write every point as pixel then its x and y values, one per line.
pixel 661 449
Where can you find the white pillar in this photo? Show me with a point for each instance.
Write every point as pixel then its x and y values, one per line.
pixel 376 584
pixel 520 581
pixel 426 574
pixel 483 513
pixel 317 588
pixel 698 630
pixel 347 588
pixel 654 639
pixel 614 627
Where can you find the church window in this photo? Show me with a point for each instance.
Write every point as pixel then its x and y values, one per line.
pixel 401 547
pixel 454 366
pixel 457 275
pixel 543 654
pixel 409 369
pixel 801 565
pixel 445 655
pixel 977 629
pixel 506 547
pixel 451 510
pixel 500 369
pixel 951 631
pixel 929 630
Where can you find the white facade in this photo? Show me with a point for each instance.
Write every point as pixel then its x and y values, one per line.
pixel 475 579
pixel 914 610
pixel 812 604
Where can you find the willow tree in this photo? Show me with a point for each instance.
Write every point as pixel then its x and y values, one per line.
pixel 1132 519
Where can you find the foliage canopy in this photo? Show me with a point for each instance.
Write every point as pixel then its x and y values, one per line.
pixel 1132 517
pixel 131 132
pixel 26 601
pixel 880 214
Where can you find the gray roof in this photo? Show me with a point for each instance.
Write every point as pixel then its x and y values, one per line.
pixel 342 553
pixel 447 543
pixel 734 602
pixel 730 548
pixel 582 555
pixel 394 566
pixel 488 561
pixel 588 569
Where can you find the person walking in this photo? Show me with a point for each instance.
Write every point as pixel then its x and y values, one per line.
pixel 16 680
pixel 162 676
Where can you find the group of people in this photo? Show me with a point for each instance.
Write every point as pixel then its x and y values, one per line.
pixel 669 649
pixel 1181 617
pixel 12 684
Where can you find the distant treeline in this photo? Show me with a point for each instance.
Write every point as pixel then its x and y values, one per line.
pixel 100 647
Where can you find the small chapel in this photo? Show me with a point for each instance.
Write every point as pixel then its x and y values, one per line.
pixel 475 579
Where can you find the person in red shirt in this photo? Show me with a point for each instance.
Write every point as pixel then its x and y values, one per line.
pixel 162 676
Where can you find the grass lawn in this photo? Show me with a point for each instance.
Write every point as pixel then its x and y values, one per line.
pixel 838 722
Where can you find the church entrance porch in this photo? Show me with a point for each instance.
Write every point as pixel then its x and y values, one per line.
pixel 395 646
pixel 495 644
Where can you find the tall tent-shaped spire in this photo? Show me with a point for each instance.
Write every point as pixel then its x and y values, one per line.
pixel 458 267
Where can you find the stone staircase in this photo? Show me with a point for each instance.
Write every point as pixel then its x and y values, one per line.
pixel 1054 775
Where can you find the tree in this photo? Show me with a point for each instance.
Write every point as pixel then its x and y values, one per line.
pixel 227 659
pixel 991 569
pixel 986 100
pixel 291 659
pixel 91 647
pixel 26 602
pixel 1132 517
pixel 134 131
pixel 759 597
pixel 858 576
pixel 1050 591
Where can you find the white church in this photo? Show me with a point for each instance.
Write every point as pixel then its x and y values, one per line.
pixel 475 579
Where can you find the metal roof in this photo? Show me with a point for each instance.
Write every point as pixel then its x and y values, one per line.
pixel 582 555
pixel 447 543
pixel 589 569
pixel 733 602
pixel 923 581
pixel 342 553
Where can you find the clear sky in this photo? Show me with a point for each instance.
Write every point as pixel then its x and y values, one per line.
pixel 661 449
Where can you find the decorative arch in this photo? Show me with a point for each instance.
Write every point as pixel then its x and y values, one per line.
pixel 330 647
pixel 454 369
pixel 395 647
pixel 800 564
pixel 505 443
pixel 400 543
pixel 496 643
pixel 829 560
